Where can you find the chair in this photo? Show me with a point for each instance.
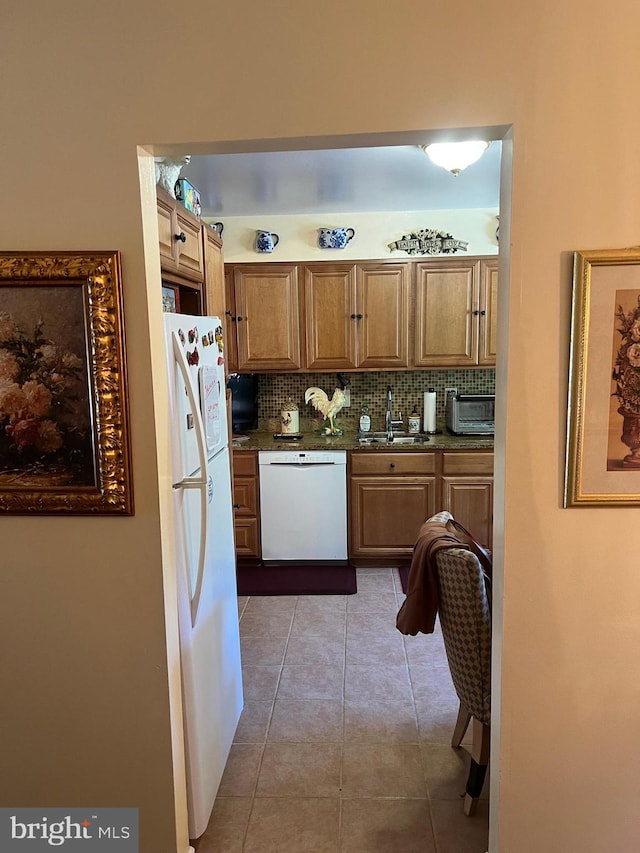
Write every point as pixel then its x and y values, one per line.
pixel 465 617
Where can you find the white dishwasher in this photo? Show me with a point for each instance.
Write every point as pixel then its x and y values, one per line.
pixel 303 504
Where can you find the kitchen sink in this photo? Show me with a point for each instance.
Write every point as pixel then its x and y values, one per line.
pixel 399 437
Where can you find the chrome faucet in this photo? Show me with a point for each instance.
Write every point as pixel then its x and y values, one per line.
pixel 389 422
pixel 388 418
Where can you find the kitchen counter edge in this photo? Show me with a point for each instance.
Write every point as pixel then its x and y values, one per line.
pixel 265 441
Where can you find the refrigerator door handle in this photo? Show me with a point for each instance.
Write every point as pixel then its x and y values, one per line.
pixel 201 483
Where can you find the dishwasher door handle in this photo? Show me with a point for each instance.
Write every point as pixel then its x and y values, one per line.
pixel 300 464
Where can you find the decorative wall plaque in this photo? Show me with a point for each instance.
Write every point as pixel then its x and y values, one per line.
pixel 428 241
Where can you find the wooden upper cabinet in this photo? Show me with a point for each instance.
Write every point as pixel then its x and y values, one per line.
pixel 267 317
pixel 168 249
pixel 330 316
pixel 190 249
pixel 356 316
pixel 382 309
pixel 229 323
pixel 488 326
pixel 219 293
pixel 180 237
pixel 446 328
pixel 216 301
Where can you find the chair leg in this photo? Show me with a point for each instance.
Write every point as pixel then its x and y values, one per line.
pixel 462 724
pixel 478 767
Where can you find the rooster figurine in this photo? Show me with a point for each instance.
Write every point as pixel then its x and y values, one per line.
pixel 328 407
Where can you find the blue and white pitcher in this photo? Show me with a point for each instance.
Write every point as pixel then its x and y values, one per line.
pixel 266 241
pixel 335 238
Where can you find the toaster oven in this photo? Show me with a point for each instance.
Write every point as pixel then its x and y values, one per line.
pixel 471 414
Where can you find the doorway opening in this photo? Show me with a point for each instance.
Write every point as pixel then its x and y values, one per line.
pixel 329 191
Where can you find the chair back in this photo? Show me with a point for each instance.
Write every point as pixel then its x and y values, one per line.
pixel 465 617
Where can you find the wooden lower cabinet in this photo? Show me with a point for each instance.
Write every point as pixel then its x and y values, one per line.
pixel 390 495
pixel 467 491
pixel 246 503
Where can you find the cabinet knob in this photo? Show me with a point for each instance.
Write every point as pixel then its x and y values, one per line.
pixel 359 316
pixel 239 318
pixel 236 506
pixel 354 316
pixel 482 313
pixel 230 315
pixel 392 464
pixel 475 313
pixel 182 237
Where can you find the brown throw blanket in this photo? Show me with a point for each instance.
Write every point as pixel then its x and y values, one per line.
pixel 418 613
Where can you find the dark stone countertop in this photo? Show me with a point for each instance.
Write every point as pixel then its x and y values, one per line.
pixel 312 439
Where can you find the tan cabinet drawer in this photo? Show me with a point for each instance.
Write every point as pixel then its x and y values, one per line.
pixel 245 496
pixel 245 463
pixel 393 463
pixel 464 462
pixel 247 537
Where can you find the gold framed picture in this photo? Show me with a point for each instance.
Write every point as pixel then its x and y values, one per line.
pixel 64 438
pixel 603 429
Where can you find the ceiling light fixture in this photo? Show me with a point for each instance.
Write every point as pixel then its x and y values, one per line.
pixel 455 156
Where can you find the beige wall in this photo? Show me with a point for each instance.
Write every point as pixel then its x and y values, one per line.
pixel 82 600
pixel 374 231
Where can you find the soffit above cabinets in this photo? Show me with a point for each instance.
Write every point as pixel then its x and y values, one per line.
pixel 343 180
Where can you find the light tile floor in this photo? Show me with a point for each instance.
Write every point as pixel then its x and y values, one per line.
pixel 343 744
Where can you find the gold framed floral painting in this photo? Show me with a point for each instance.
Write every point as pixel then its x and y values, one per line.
pixel 64 440
pixel 603 440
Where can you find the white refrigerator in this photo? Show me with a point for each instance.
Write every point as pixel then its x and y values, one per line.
pixel 205 555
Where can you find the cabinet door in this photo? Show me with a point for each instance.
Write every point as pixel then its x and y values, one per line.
pixel 189 244
pixel 446 327
pixel 470 501
pixel 330 316
pixel 267 317
pixel 215 296
pixel 181 251
pixel 230 331
pixel 386 514
pixel 166 232
pixel 382 307
pixel 245 496
pixel 247 533
pixel 488 326
pixel 246 503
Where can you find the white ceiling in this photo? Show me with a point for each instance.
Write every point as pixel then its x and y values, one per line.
pixel 343 180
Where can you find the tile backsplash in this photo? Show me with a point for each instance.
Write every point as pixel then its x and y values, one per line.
pixel 371 388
